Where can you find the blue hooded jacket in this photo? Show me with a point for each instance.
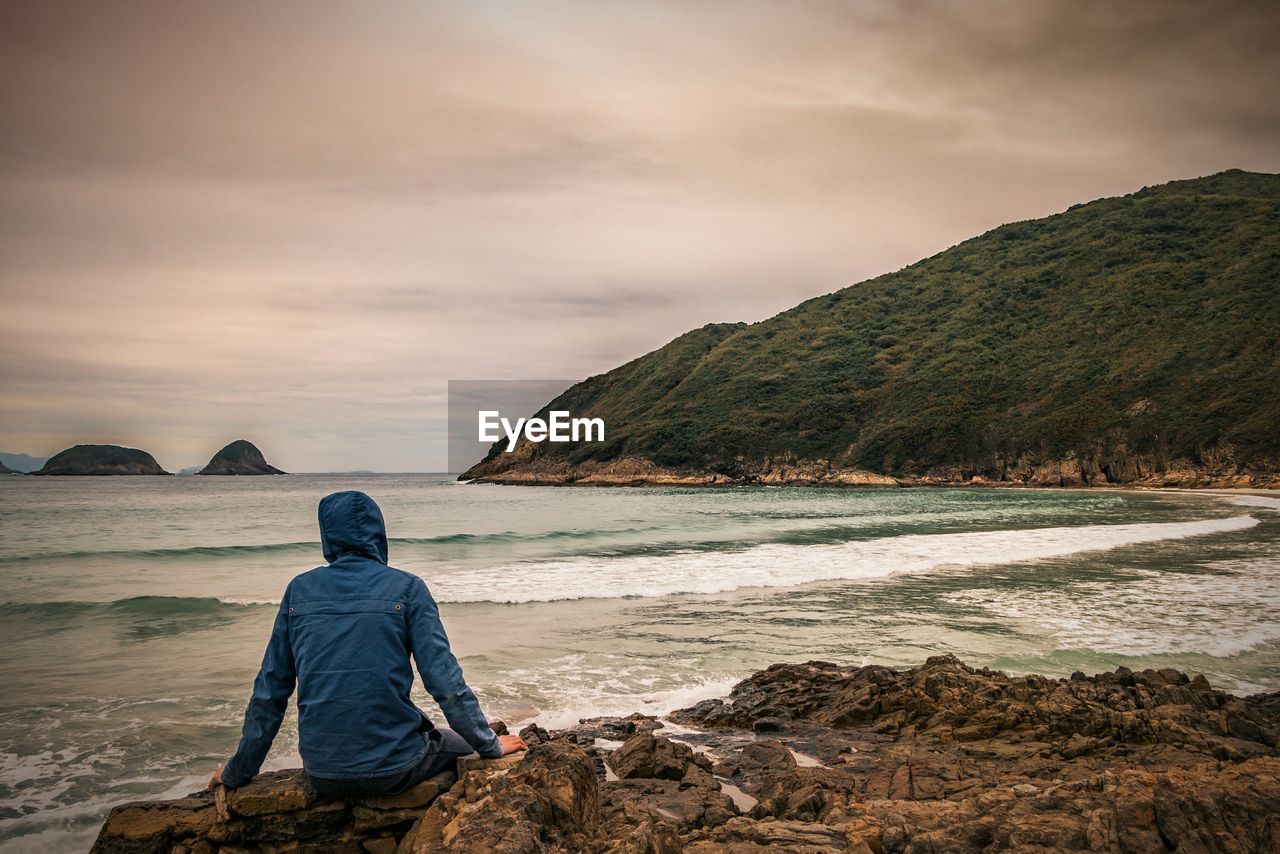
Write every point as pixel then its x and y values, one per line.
pixel 344 634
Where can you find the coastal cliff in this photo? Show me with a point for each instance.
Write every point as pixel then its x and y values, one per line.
pixel 101 460
pixel 1128 340
pixel 241 457
pixel 812 757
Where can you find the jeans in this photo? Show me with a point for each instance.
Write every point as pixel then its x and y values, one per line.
pixel 444 748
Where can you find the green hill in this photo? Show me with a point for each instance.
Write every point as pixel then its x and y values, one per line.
pixel 1130 339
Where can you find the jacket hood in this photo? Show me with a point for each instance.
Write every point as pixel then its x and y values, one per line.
pixel 351 523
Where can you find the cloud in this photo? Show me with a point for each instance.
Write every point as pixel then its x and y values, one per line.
pixel 299 220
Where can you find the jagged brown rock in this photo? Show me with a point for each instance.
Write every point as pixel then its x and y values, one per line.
pixel 544 800
pixel 277 812
pixel 938 758
pixel 662 786
pixel 948 757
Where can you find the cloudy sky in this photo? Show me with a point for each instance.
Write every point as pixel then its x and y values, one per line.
pixel 295 221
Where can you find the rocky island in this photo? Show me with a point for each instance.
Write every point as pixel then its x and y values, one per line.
pixel 1128 340
pixel 239 457
pixel 100 460
pixel 813 757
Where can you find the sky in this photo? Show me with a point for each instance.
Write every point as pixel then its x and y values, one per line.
pixel 295 222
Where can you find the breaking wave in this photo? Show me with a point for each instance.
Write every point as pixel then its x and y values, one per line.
pixel 781 565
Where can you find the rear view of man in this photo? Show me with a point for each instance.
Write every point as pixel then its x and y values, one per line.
pixel 344 634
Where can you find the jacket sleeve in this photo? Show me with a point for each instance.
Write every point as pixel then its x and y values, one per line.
pixel 442 675
pixel 271 691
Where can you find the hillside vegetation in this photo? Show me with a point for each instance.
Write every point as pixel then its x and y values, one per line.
pixel 1130 339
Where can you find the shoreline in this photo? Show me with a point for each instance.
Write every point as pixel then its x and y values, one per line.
pixel 525 465
pixel 523 468
pixel 813 757
pixel 1268 489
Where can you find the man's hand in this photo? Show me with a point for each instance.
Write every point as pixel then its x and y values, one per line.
pixel 216 779
pixel 510 744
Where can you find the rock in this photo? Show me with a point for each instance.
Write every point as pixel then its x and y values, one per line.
pixel 523 466
pixel 240 457
pixel 941 757
pixel 546 798
pixel 645 837
pixel 101 460
pixel 1118 761
pixel 661 782
pixel 276 811
pixel 944 701
pixel 475 762
pixel 139 827
pixel 644 755
pixel 616 728
pixel 769 723
pixel 759 764
pixel 419 796
pixel 272 792
pixel 534 734
pixel 684 806
pixel 744 834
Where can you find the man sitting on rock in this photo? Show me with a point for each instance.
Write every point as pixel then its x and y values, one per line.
pixel 344 634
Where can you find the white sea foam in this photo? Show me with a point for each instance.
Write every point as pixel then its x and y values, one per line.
pixel 786 565
pixel 586 703
pixel 1223 612
pixel 1265 502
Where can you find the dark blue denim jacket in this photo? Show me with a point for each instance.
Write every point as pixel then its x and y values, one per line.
pixel 344 634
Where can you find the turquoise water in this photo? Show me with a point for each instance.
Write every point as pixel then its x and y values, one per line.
pixel 134 610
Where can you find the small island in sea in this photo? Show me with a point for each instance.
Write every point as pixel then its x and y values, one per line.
pixel 101 460
pixel 241 457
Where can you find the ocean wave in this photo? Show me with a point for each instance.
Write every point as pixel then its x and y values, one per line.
pixel 1222 609
pixel 168 553
pixel 1262 502
pixel 313 547
pixel 779 565
pixel 134 606
pixel 694 569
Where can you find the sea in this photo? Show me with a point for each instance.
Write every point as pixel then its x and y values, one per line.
pixel 134 610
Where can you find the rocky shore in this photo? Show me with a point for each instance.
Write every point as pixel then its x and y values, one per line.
pixel 522 467
pixel 812 757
